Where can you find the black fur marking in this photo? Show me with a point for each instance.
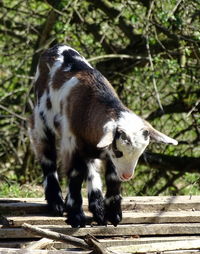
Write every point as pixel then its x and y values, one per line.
pixel 48 103
pixel 52 191
pixel 96 206
pixel 106 96
pixel 70 60
pixel 56 122
pixel 76 217
pixel 121 134
pixel 113 212
pixel 89 151
pixel 42 116
pixel 118 154
pixel 53 195
pixel 146 134
pixel 50 148
pixel 53 51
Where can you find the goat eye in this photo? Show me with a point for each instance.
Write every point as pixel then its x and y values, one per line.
pixel 146 134
pixel 123 136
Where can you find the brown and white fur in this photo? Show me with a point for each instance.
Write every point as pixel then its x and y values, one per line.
pixel 76 102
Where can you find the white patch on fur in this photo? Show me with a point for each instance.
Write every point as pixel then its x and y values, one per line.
pixel 133 126
pixel 68 141
pixel 61 94
pixel 48 114
pixel 37 74
pixel 56 97
pixel 74 173
pixel 57 64
pixel 61 49
pixel 130 123
pixel 55 174
pixel 37 133
pixel 68 68
pixel 94 180
pixel 82 59
pixel 45 183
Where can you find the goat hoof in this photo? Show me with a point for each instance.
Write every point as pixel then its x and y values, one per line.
pixel 114 218
pixel 97 209
pixel 76 219
pixel 56 207
pixel 113 212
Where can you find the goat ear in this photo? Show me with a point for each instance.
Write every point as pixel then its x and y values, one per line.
pixel 106 140
pixel 159 137
pixel 108 136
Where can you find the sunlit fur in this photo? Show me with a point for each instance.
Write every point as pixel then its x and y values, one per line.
pixel 133 126
pixel 77 109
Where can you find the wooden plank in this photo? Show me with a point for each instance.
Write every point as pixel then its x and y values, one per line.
pixel 128 218
pixel 17 221
pixel 121 230
pixel 18 200
pixel 34 205
pixel 14 243
pixel 23 208
pixel 107 242
pixel 161 217
pixel 157 247
pixel 181 252
pixel 138 199
pixel 41 244
pixel 160 203
pixel 23 251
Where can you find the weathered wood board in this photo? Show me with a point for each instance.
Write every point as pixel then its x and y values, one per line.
pixel 23 251
pixel 128 218
pixel 149 225
pixel 120 230
pixel 145 204
pixel 157 247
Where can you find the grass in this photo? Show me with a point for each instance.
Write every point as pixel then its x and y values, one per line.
pixel 15 190
pixel 188 184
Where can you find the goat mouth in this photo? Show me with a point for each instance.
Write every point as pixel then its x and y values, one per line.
pixel 124 179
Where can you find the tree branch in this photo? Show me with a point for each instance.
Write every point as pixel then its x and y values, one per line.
pixel 175 107
pixel 56 236
pixel 171 163
pixel 174 36
pixel 113 13
pixel 43 37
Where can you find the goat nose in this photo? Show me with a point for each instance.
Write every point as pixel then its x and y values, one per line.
pixel 126 175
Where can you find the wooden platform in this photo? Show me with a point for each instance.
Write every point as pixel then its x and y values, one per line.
pixel 150 225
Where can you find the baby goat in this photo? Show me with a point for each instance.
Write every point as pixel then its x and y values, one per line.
pixel 77 103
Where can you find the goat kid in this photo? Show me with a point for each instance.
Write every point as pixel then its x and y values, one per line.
pixel 77 103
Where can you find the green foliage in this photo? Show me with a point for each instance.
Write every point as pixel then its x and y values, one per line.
pixel 166 75
pixel 15 190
